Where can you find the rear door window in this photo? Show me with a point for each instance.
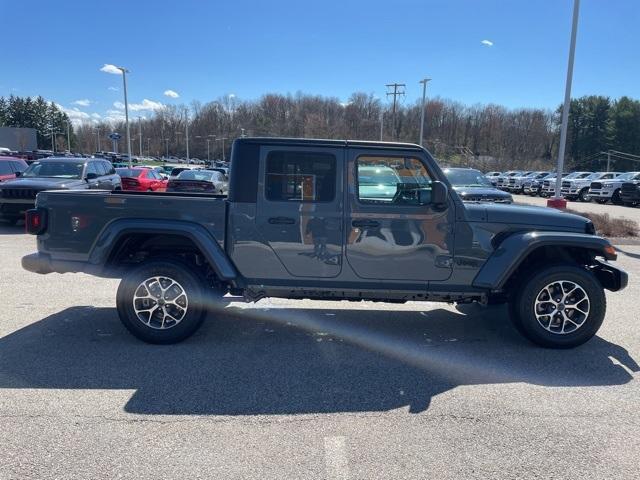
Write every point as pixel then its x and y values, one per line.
pixel 300 176
pixel 5 168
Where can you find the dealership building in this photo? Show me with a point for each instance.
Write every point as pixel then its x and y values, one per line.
pixel 18 139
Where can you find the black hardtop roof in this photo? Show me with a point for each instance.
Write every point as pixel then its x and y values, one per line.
pixel 327 142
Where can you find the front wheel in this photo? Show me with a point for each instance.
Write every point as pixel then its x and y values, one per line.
pixel 615 198
pixel 583 196
pixel 560 306
pixel 161 301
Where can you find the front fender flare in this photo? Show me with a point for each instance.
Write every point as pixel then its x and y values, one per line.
pixel 513 250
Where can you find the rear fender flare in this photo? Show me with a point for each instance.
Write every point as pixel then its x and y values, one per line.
pixel 114 231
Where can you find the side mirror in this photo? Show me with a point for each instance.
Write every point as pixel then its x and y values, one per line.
pixel 439 193
pixel 91 176
pixel 18 174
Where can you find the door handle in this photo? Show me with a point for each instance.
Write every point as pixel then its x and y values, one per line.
pixel 281 221
pixel 365 223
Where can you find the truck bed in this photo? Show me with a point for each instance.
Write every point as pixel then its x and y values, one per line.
pixel 79 222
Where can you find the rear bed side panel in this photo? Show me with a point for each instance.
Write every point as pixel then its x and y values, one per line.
pixel 76 219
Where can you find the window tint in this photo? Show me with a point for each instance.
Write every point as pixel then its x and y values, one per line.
pixel 102 168
pixel 5 168
pixel 391 180
pixel 108 168
pixel 19 166
pixel 92 168
pixel 300 177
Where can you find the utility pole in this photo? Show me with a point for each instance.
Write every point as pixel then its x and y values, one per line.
pixel 381 123
pixel 424 106
pixel 140 133
pixel 608 159
pixel 98 135
pixel 166 146
pixel 398 89
pixel 557 201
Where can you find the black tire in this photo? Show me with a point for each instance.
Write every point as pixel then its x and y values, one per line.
pixel 523 314
pixel 583 196
pixel 187 279
pixel 615 198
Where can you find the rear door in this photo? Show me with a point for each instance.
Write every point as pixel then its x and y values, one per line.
pixel 300 207
pixel 390 234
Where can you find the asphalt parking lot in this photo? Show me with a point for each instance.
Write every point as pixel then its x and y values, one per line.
pixel 618 211
pixel 301 389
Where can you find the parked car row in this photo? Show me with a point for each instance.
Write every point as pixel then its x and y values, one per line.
pixel 602 187
pixel 20 183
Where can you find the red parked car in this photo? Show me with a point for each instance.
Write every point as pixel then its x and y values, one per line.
pixel 9 166
pixel 142 179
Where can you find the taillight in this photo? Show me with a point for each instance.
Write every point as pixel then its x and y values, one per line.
pixel 35 221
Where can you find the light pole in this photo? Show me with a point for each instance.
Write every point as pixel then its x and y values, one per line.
pixel 166 146
pixel 140 133
pixel 208 150
pixel 126 112
pixel 222 139
pixel 98 138
pixel 424 106
pixel 186 126
pixel 68 137
pixel 557 201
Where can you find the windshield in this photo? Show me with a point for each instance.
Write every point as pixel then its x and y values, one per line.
pixel 128 172
pixel 467 178
pixel 200 175
pixel 628 176
pixel 53 169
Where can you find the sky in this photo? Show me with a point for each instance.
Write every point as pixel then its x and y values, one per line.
pixel 509 52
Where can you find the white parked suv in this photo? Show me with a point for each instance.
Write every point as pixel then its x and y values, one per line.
pixel 516 184
pixel 603 191
pixel 549 184
pixel 578 188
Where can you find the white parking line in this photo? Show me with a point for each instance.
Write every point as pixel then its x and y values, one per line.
pixel 335 457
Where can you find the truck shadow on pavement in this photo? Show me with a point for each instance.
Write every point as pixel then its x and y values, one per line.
pixel 254 361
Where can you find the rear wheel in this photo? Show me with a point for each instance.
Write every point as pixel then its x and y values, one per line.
pixel 561 306
pixel 161 301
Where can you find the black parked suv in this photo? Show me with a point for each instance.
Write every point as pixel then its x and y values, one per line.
pixel 54 173
pixel 630 192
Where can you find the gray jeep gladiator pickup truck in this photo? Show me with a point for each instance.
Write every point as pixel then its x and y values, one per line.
pixel 334 220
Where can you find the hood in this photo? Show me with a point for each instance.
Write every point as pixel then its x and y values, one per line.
pixel 42 183
pixel 481 193
pixel 520 215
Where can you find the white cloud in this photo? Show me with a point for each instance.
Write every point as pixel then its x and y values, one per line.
pixel 487 43
pixel 85 102
pixel 114 89
pixel 114 116
pixel 138 107
pixel 232 95
pixel 96 116
pixel 171 93
pixel 108 68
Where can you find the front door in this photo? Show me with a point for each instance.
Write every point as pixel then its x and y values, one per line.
pixel 300 212
pixel 393 232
